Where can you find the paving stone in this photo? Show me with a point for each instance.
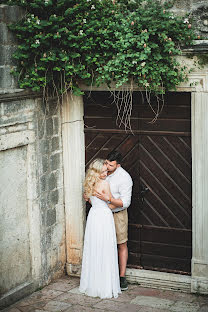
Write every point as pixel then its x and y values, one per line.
pixel 113 305
pixel 126 296
pixel 181 306
pixel 148 309
pixel 31 308
pixel 152 302
pixel 64 286
pixel 202 300
pixel 11 310
pixel 75 291
pixel 203 309
pixel 78 299
pixel 57 306
pixel 163 294
pixel 41 296
pixel 79 308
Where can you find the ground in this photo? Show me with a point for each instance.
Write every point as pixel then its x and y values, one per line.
pixel 63 295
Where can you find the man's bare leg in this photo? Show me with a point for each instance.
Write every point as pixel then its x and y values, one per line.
pixel 123 257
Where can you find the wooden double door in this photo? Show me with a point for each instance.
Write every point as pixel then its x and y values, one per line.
pixel 158 157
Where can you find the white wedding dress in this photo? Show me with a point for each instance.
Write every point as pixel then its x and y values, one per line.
pixel 100 274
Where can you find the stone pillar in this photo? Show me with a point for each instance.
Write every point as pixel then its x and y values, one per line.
pixel 74 170
pixel 199 281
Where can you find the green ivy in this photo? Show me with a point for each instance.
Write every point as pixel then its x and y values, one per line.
pixel 63 43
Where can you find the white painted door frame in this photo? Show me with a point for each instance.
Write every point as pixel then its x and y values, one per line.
pixel 74 171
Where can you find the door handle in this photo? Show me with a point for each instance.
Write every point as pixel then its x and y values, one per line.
pixel 144 190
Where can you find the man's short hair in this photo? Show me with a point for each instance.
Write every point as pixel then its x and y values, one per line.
pixel 115 155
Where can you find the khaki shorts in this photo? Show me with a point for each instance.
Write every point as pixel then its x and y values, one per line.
pixel 121 225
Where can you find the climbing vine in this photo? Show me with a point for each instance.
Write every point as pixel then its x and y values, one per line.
pixel 64 42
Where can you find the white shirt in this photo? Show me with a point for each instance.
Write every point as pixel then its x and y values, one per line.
pixel 121 183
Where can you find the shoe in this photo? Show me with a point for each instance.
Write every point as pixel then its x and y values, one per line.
pixel 123 283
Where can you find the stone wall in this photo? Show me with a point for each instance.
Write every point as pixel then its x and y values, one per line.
pixel 50 187
pixel 8 14
pixel 32 218
pixel 32 221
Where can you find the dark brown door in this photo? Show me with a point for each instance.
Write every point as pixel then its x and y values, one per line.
pixel 158 157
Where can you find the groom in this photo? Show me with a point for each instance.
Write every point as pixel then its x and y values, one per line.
pixel 121 188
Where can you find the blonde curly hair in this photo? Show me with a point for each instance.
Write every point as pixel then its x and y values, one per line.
pixel 92 176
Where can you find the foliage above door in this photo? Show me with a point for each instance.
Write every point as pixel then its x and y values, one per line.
pixel 62 43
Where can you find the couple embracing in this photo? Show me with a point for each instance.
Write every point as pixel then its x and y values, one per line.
pixel 108 187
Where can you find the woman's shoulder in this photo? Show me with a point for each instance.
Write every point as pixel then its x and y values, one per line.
pixel 103 185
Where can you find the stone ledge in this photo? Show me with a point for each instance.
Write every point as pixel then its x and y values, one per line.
pixel 16 94
pixel 17 294
pixel 162 280
pixel 16 139
pixel 199 47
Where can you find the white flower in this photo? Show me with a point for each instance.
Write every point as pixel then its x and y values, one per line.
pixel 29 20
pixel 37 41
pixel 143 64
pixel 84 20
pixel 88 0
pixel 147 84
pixel 81 32
pixel 38 21
pixel 171 16
pixel 92 7
pixel 46 1
pixel 54 15
pixel 32 15
pixel 134 62
pixel 186 21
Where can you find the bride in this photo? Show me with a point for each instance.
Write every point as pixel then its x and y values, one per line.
pixel 100 273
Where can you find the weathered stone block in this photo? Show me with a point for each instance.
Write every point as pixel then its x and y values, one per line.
pixel 41 128
pixel 182 4
pixel 3 131
pixel 51 217
pixel 6 79
pixel 52 183
pixel 45 164
pixel 6 36
pixel 10 14
pixel 44 147
pixel 17 128
pixel 14 223
pixel 49 127
pixel 55 125
pixel 52 108
pixel 20 108
pixel 55 161
pixel 48 235
pixel 6 55
pixel 54 197
pixel 55 144
pixel 43 183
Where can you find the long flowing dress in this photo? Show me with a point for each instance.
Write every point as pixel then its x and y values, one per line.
pixel 100 273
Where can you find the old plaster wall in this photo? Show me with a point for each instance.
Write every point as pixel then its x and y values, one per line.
pixel 32 218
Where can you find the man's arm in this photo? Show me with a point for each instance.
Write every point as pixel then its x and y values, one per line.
pixel 125 190
pixel 106 197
